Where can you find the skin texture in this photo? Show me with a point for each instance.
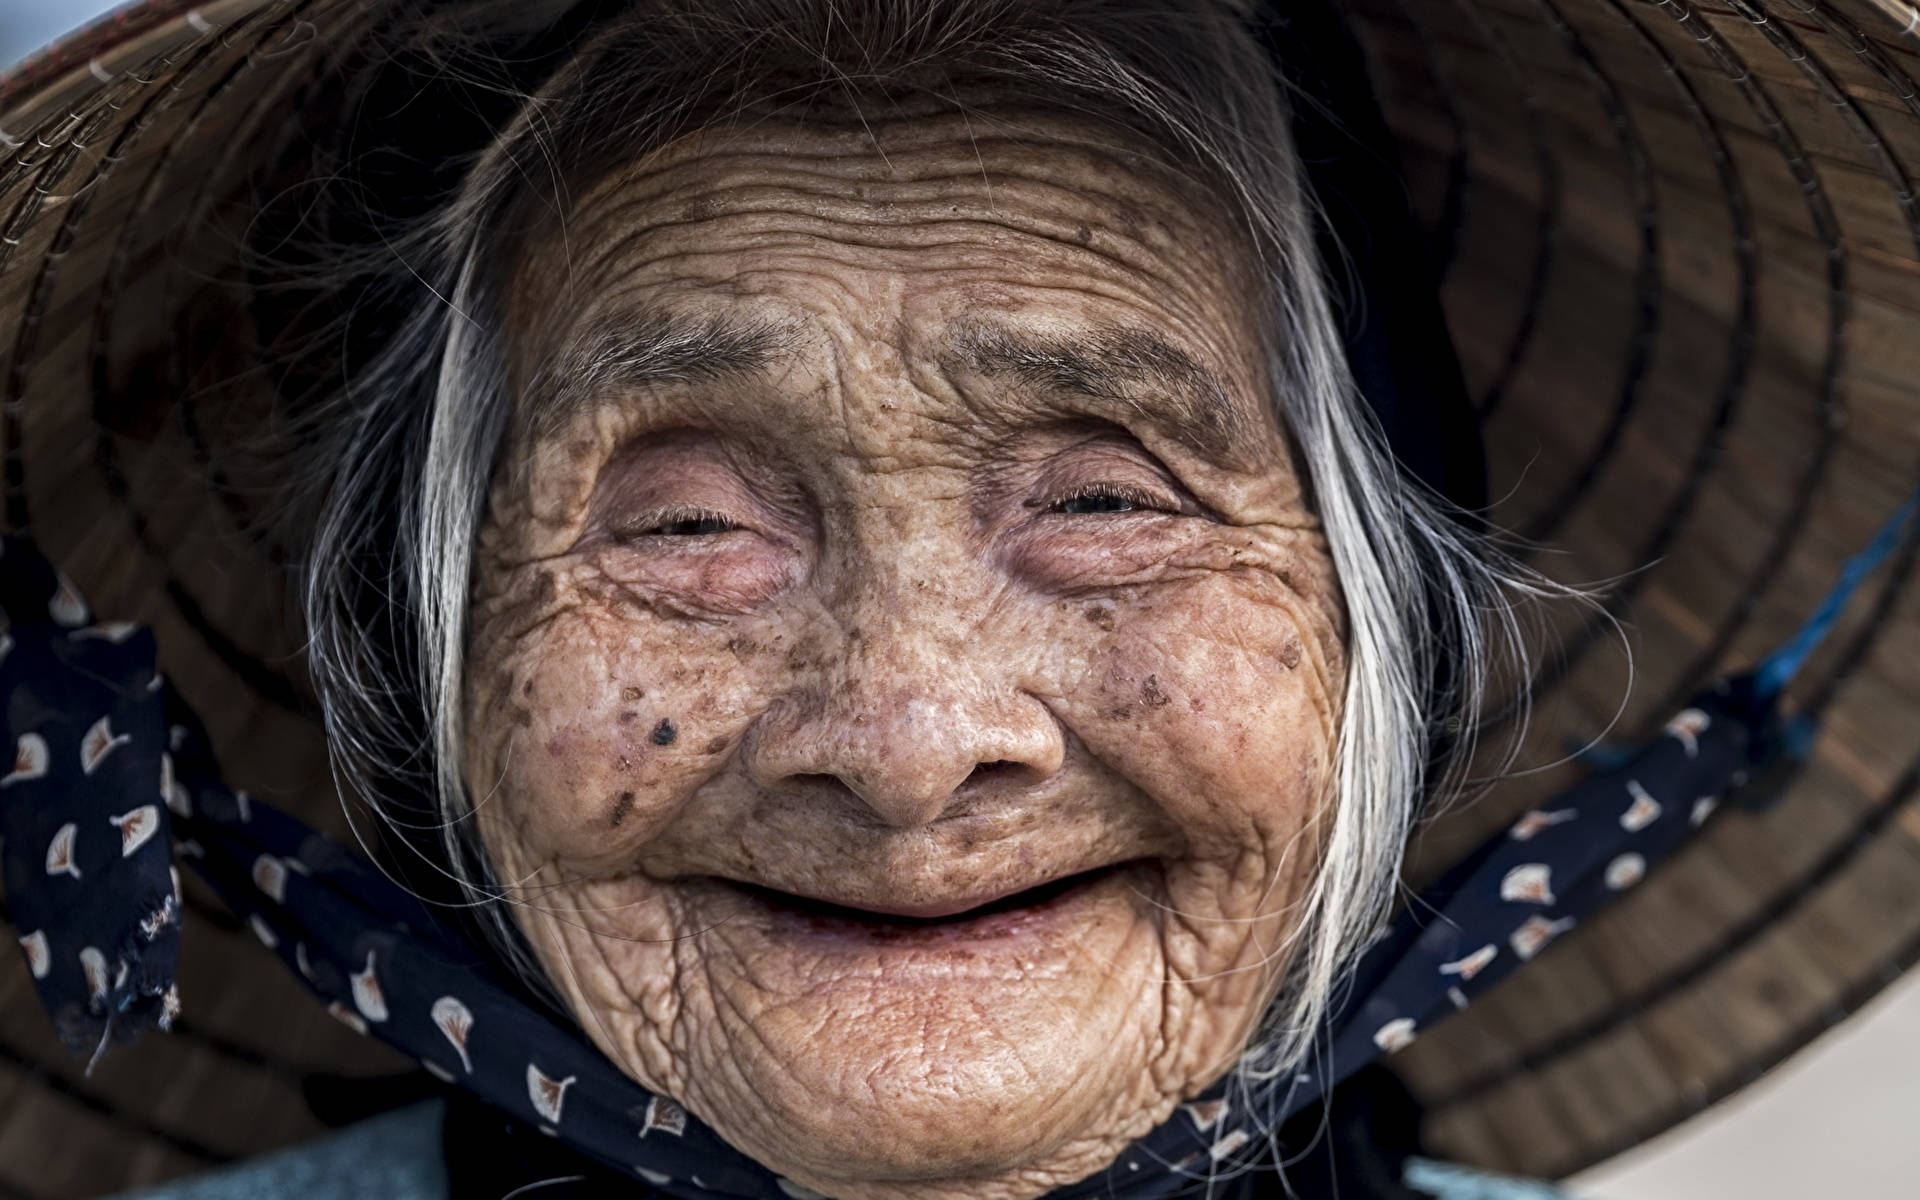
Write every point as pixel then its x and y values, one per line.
pixel 963 555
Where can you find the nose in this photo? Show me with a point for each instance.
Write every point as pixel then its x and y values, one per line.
pixel 912 725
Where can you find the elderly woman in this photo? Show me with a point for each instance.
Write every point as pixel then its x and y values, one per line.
pixel 883 576
pixel 918 634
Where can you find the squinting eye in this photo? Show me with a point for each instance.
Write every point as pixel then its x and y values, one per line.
pixel 694 524
pixel 1106 498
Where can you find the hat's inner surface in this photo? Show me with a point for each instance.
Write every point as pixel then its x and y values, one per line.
pixel 1677 252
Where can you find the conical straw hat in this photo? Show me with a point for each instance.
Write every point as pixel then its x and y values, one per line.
pixel 1681 255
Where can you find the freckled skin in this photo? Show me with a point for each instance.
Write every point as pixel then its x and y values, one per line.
pixel 911 664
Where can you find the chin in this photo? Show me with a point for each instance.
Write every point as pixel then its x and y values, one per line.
pixel 999 1051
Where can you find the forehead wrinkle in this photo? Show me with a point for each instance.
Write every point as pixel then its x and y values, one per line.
pixel 638 347
pixel 1109 366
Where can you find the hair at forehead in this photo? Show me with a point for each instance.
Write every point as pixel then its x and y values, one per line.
pixel 662 70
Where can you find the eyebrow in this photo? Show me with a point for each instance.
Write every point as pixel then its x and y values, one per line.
pixel 1127 372
pixel 649 346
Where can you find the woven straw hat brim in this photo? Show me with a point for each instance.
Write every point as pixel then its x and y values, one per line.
pixel 1682 266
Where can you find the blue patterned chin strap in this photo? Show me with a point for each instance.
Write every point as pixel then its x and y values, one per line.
pixel 112 776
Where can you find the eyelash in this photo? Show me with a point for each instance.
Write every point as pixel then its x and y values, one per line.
pixel 667 524
pixel 674 524
pixel 1138 499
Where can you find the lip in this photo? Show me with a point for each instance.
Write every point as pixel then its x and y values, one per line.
pixel 937 910
pixel 963 918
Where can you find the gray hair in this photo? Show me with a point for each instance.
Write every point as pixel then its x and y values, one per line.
pixel 1432 607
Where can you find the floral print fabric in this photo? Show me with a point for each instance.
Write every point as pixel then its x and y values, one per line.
pixel 84 844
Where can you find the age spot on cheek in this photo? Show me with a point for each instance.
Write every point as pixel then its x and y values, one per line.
pixel 1151 694
pixel 1290 654
pixel 664 733
pixel 1101 616
pixel 622 805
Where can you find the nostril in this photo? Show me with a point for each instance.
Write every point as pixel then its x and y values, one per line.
pixel 991 772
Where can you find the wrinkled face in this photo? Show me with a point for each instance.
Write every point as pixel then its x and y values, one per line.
pixel 904 667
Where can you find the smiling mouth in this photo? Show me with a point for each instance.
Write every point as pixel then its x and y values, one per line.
pixel 1002 915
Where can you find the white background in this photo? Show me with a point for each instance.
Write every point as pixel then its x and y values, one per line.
pixel 1841 1120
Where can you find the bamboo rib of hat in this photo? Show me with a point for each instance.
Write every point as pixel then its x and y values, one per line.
pixel 1681 256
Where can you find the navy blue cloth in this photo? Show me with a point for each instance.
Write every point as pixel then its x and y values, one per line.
pixel 1553 867
pixel 101 925
pixel 112 774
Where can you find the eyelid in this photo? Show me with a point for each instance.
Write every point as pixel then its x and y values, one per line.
pixel 1145 498
pixel 649 523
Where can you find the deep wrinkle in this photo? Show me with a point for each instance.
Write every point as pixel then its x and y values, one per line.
pixel 928 630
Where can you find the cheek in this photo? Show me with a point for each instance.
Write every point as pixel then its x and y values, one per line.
pixel 1214 699
pixel 590 731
